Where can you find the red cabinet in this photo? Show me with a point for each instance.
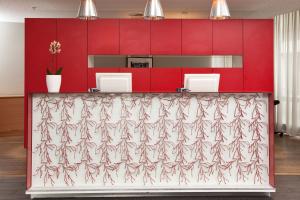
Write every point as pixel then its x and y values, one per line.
pixel 140 79
pixel 165 79
pixel 196 37
pixel 39 33
pixel 166 37
pixel 72 34
pixel 258 55
pixel 134 37
pixel 231 80
pixel 228 37
pixel 103 37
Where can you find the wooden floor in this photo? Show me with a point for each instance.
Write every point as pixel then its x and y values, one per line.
pixel 287 156
pixel 12 170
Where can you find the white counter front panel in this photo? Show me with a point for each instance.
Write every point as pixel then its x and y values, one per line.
pixel 148 141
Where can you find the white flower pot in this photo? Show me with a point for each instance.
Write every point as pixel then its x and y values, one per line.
pixel 53 83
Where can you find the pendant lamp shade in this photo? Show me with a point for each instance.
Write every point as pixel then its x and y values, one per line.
pixel 87 10
pixel 219 10
pixel 153 10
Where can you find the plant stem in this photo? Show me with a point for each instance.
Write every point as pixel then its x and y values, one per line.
pixel 53 64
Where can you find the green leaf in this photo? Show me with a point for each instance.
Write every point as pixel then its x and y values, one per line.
pixel 58 72
pixel 49 72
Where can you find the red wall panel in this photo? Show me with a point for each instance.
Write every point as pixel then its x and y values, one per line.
pixel 165 79
pixel 196 37
pixel 72 34
pixel 140 79
pixel 166 37
pixel 228 37
pixel 103 36
pixel 258 55
pixel 134 37
pixel 39 33
pixel 231 80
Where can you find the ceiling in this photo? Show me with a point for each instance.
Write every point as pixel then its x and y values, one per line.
pixel 17 10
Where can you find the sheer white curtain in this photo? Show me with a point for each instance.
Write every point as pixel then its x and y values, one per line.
pixel 287 71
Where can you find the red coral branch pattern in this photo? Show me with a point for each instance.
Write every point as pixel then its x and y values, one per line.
pixel 181 150
pixel 149 139
pixel 164 143
pixel 66 148
pixel 86 144
pixel 47 170
pixel 200 145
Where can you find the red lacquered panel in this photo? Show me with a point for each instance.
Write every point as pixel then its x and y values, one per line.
pixel 134 37
pixel 140 79
pixel 196 37
pixel 72 34
pixel 258 55
pixel 166 37
pixel 231 80
pixel 194 71
pixel 92 74
pixel 38 35
pixel 165 79
pixel 103 36
pixel 228 37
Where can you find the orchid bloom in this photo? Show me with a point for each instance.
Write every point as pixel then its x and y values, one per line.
pixel 55 47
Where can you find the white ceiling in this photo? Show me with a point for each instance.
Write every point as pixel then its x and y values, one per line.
pixel 17 10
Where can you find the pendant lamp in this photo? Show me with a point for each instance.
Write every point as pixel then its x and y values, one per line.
pixel 153 10
pixel 219 10
pixel 87 10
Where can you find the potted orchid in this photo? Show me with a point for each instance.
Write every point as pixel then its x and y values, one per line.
pixel 53 77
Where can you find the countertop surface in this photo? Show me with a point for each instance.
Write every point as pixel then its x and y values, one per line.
pixel 157 92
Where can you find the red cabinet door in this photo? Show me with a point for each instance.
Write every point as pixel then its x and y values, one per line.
pixel 39 33
pixel 134 37
pixel 92 74
pixel 166 37
pixel 103 37
pixel 258 55
pixel 196 37
pixel 228 37
pixel 165 79
pixel 72 34
pixel 231 80
pixel 140 79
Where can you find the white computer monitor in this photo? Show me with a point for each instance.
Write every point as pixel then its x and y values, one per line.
pixel 202 82
pixel 114 82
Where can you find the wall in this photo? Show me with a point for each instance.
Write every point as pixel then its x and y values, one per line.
pixel 11 59
pixel 12 114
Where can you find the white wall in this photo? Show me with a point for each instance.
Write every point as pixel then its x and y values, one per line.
pixel 11 59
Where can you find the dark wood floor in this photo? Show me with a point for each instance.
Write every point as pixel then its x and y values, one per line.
pixel 287 155
pixel 12 170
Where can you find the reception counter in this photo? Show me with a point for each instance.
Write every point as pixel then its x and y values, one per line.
pixel 95 144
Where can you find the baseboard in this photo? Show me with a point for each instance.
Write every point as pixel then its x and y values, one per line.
pixel 139 192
